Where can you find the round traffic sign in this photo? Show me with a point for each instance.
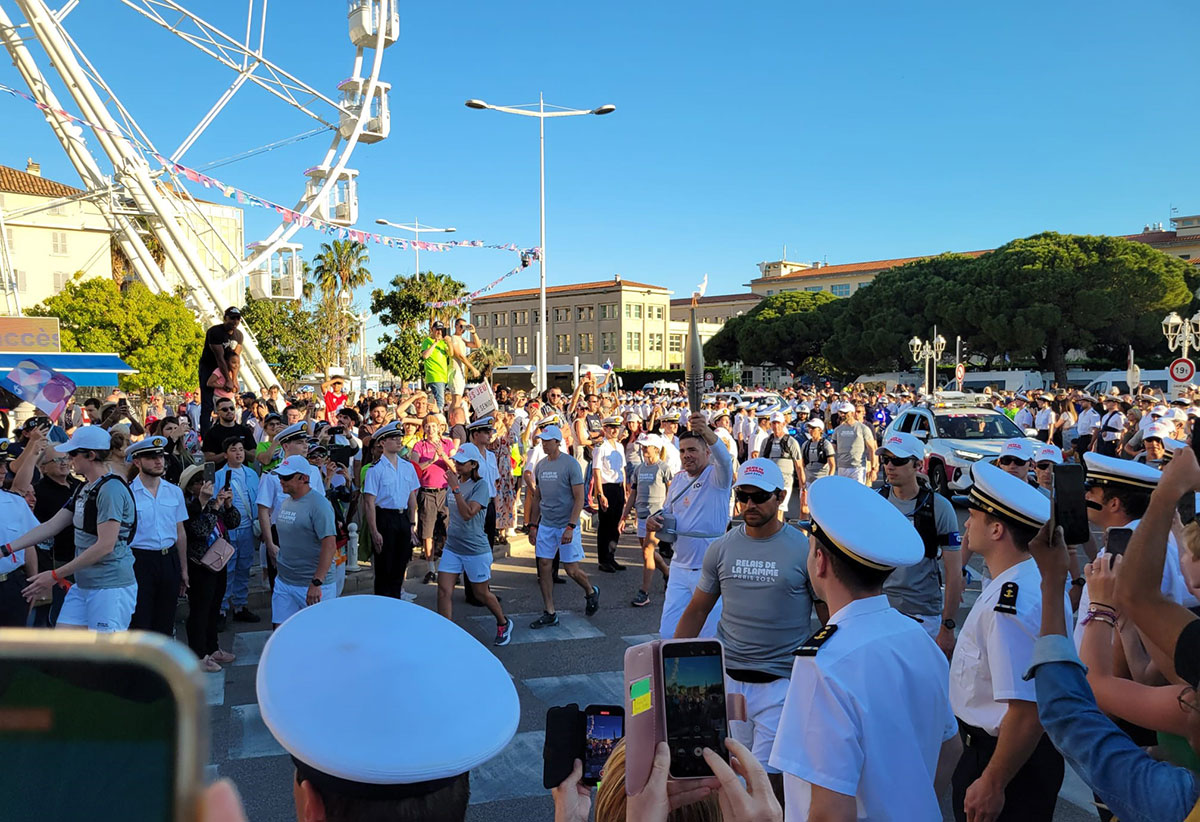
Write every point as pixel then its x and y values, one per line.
pixel 960 372
pixel 1182 370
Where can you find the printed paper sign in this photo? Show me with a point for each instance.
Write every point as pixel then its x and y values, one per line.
pixel 639 695
pixel 41 385
pixel 483 401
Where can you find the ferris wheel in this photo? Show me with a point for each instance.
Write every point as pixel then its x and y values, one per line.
pixel 142 197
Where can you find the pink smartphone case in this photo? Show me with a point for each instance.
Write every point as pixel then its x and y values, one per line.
pixel 645 721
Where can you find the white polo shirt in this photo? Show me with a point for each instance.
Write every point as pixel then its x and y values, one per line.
pixel 16 520
pixel 158 515
pixel 390 484
pixel 995 650
pixel 866 716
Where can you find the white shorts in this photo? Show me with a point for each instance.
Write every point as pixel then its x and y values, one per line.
pixel 680 587
pixel 764 707
pixel 458 382
pixel 289 600
pixel 549 541
pixel 106 610
pixel 477 567
pixel 856 474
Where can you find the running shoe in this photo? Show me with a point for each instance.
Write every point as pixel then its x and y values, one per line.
pixel 546 620
pixel 593 601
pixel 641 599
pixel 504 632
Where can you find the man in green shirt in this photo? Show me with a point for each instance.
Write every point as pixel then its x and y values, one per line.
pixel 435 351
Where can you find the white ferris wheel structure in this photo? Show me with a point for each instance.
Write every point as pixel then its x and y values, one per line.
pixel 140 199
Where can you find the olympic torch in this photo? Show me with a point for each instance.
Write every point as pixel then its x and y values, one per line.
pixel 693 356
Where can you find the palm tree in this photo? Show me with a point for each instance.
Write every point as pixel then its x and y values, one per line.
pixel 430 287
pixel 340 266
pixel 488 357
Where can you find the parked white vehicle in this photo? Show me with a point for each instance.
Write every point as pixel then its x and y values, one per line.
pixel 1158 380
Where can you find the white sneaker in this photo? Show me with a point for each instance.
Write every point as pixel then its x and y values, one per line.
pixel 407 597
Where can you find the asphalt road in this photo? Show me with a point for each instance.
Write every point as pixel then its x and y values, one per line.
pixel 580 661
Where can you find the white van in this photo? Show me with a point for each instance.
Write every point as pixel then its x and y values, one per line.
pixel 976 381
pixel 1158 380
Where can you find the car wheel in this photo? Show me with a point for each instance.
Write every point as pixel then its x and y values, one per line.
pixel 938 480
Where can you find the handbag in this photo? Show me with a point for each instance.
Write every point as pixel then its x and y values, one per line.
pixel 219 552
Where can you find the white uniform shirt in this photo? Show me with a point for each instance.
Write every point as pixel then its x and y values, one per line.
pixel 158 516
pixel 1044 419
pixel 532 457
pixel 271 495
pixel 1115 420
pixel 866 716
pixel 390 484
pixel 1088 422
pixel 701 506
pixel 1024 418
pixel 671 456
pixel 995 650
pixel 489 472
pixel 16 520
pixel 756 442
pixel 609 460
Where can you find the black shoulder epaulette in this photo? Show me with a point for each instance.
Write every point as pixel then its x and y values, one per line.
pixel 814 642
pixel 1007 603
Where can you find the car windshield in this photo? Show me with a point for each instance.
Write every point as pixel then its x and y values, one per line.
pixel 973 425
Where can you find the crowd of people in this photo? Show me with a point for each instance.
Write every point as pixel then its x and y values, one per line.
pixel 759 516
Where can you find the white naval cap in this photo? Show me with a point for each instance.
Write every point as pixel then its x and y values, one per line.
pixel 997 492
pixel 613 420
pixel 1020 447
pixel 336 646
pixel 1111 471
pixel 900 444
pixel 761 473
pixel 392 429
pixel 1049 452
pixel 860 524
pixel 149 447
pixel 295 431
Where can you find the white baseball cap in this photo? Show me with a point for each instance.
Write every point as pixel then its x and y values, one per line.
pixel 293 465
pixel 550 432
pixel 900 444
pixel 761 473
pixel 86 438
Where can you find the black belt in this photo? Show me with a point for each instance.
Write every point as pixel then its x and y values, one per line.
pixel 976 737
pixel 20 569
pixel 758 677
pixel 163 551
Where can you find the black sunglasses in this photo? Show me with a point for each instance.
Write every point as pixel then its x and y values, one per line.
pixel 888 459
pixel 1043 466
pixel 757 497
pixel 1006 460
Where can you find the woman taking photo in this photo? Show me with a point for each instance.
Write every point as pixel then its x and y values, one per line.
pixel 467 550
pixel 208 518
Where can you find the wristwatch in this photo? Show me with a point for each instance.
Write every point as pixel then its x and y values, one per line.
pixel 949 624
pixel 317 582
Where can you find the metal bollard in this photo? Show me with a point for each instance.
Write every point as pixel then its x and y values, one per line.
pixel 352 549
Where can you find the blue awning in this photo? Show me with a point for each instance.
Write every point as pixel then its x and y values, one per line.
pixel 86 370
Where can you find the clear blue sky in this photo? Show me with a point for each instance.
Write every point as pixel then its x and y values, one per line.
pixel 847 133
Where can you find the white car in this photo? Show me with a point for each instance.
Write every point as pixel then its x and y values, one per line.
pixel 955 438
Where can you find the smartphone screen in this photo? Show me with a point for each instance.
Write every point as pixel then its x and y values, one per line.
pixel 605 727
pixel 107 728
pixel 1070 507
pixel 694 704
pixel 1117 540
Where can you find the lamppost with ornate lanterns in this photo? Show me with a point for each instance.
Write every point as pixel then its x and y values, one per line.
pixel 927 352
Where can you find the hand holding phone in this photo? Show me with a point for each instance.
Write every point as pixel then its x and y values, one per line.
pixel 1117 540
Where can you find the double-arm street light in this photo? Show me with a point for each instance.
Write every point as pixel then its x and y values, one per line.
pixel 417 229
pixel 1181 333
pixel 542 111
pixel 927 352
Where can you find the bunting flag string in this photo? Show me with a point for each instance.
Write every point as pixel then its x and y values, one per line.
pixel 288 215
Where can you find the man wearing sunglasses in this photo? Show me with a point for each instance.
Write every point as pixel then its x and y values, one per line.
pixel 760 571
pixel 1016 455
pixel 916 590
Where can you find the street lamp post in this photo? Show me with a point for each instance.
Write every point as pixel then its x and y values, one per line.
pixel 541 112
pixel 927 353
pixel 417 229
pixel 1180 333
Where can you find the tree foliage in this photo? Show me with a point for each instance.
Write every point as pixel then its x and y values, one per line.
pixel 785 329
pixel 155 333
pixel 339 266
pixel 288 336
pixel 403 308
pixel 487 358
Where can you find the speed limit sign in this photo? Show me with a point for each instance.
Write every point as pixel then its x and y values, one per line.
pixel 1182 370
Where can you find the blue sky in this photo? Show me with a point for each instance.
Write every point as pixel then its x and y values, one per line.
pixel 847 132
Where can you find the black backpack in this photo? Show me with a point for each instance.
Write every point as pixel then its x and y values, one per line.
pixel 90 507
pixel 924 519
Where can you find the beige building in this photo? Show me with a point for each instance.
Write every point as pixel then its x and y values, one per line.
pixel 46 246
pixel 717 309
pixel 216 231
pixel 619 320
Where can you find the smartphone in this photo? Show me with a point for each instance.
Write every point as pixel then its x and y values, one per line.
pixel 605 727
pixel 1070 507
pixel 1187 507
pixel 123 714
pixel 1117 540
pixel 693 677
pixel 210 471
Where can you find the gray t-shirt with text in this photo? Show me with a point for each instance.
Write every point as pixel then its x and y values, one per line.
pixel 851 440
pixel 555 480
pixel 302 524
pixel 466 536
pixel 767 599
pixel 114 501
